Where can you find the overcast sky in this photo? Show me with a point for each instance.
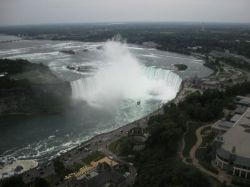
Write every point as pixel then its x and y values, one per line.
pixel 18 12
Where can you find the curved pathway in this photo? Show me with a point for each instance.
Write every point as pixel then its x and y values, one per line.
pixel 222 176
pixel 193 150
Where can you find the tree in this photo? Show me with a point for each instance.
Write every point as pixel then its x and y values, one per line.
pixel 60 169
pixel 13 182
pixel 40 182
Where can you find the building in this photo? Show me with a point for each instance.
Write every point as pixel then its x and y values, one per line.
pixel 233 154
pixel 194 82
pixel 102 176
pixel 138 138
pixel 221 126
pixel 99 173
pixel 244 101
pixel 150 44
pixel 211 84
pixel 235 118
pixel 106 160
pixel 240 109
pixel 88 168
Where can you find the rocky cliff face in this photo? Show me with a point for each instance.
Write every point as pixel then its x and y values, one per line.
pixel 28 88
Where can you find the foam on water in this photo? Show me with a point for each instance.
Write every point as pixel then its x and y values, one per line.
pixel 31 56
pixel 151 56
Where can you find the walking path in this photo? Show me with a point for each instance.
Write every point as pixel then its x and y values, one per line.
pixel 193 151
pixel 222 176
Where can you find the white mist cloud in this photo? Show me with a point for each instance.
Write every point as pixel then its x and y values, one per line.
pixel 123 77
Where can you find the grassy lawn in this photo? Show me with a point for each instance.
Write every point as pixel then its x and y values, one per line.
pixel 113 146
pixel 190 137
pixel 93 157
pixel 121 146
pixel 76 166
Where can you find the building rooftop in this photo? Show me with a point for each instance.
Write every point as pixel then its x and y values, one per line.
pixel 83 170
pixel 211 82
pixel 226 124
pixel 243 100
pixel 89 168
pixel 222 125
pixel 90 175
pixel 235 118
pixel 240 109
pixel 237 139
pixel 107 160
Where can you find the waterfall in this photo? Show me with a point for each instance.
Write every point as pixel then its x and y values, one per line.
pixel 170 79
pixel 158 84
pixel 124 78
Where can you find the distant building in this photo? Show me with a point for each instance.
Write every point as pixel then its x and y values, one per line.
pixel 194 82
pixel 211 84
pixel 106 160
pixel 101 173
pixel 233 154
pixel 138 138
pixel 87 168
pixel 244 101
pixel 240 109
pixel 102 176
pixel 235 118
pixel 150 44
pixel 203 27
pixel 220 127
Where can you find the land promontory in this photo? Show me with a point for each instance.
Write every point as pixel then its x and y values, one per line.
pixel 28 88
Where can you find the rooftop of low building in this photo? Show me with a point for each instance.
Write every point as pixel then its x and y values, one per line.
pixel 237 139
pixel 225 125
pixel 243 100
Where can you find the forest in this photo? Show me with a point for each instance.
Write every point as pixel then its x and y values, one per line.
pixel 159 164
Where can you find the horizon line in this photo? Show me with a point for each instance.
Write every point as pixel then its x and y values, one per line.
pixel 127 22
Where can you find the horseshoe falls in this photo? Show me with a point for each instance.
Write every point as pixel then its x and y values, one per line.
pixel 123 77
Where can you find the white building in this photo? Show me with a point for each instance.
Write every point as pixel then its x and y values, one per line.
pixel 233 154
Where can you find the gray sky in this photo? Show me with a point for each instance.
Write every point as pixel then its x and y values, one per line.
pixel 13 12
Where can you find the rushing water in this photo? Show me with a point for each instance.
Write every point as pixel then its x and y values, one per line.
pixel 155 84
pixel 124 78
pixel 113 78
